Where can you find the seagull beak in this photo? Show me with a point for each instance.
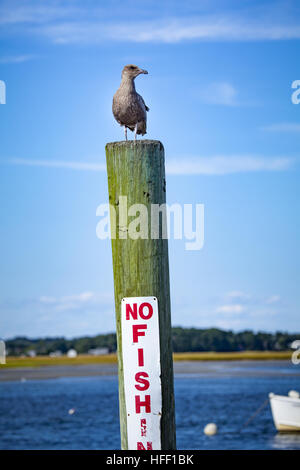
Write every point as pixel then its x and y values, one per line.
pixel 143 71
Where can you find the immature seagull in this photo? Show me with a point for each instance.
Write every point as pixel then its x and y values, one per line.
pixel 129 108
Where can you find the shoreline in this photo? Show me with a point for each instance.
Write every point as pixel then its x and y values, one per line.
pixel 211 369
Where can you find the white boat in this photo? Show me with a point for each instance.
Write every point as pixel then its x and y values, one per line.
pixel 286 411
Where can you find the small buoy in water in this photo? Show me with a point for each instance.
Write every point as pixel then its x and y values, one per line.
pixel 210 429
pixel 71 411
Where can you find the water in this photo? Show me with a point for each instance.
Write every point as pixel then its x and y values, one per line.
pixel 35 414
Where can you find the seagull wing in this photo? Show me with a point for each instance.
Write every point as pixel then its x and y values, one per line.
pixel 140 98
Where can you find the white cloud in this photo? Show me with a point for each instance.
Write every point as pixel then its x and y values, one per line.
pixel 273 299
pixel 237 295
pixel 17 59
pixel 85 166
pixel 69 315
pixel 83 297
pixel 171 30
pixel 231 308
pixel 218 165
pixel 26 12
pixel 237 302
pixel 223 165
pixel 67 303
pixel 77 23
pixel 47 300
pixel 220 93
pixel 283 127
pixel 236 323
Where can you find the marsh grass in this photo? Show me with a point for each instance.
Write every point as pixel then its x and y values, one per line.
pixel 83 359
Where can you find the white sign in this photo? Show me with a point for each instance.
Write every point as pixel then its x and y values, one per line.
pixel 141 365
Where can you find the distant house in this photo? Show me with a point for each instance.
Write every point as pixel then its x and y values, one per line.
pixel 55 354
pixel 2 352
pixel 72 353
pixel 31 353
pixel 98 351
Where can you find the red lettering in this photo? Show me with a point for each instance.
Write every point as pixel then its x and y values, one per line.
pixel 141 311
pixel 140 446
pixel 140 357
pixel 145 383
pixel 136 333
pixel 143 427
pixel 130 311
pixel 140 404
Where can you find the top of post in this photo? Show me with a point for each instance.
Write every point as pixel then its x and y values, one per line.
pixel 134 144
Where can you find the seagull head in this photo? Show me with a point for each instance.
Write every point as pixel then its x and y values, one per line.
pixel 132 71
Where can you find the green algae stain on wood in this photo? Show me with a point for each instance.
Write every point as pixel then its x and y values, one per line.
pixel 141 266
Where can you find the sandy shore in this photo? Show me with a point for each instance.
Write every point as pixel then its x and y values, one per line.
pixel 205 369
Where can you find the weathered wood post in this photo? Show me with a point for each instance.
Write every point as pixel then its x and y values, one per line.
pixel 136 170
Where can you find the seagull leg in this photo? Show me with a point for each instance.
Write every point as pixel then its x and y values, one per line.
pixel 135 131
pixel 125 130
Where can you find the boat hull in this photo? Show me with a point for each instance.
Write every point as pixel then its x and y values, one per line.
pixel 286 413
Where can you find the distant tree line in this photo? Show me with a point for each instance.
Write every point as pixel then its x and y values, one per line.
pixel 184 340
pixel 214 339
pixel 45 346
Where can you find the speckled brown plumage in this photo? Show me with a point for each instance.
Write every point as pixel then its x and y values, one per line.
pixel 129 108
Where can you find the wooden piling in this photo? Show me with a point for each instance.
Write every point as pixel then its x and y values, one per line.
pixel 141 266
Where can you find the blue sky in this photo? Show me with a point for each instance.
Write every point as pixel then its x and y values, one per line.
pixel 219 92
